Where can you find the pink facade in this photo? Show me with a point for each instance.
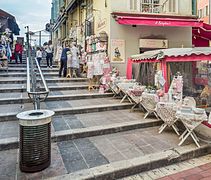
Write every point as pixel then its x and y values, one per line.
pixel 201 5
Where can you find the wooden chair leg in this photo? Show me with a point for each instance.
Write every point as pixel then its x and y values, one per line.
pixel 146 115
pixel 163 126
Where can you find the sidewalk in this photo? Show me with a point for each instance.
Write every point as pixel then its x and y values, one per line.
pixel 193 169
pixel 202 172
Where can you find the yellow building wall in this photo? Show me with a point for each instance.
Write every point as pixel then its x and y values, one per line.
pixel 102 16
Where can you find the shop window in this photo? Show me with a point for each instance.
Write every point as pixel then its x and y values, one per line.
pixel 196 80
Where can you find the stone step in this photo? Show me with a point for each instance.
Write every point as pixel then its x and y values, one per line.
pixel 10 114
pixel 123 168
pixel 24 70
pixel 23 74
pixel 109 156
pixel 52 88
pixel 186 169
pixel 56 80
pixel 24 65
pixel 55 98
pixel 7 143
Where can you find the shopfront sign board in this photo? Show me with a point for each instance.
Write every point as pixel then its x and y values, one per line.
pixel 101 24
pixel 153 43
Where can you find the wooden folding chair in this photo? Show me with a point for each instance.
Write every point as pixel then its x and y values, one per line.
pixel 124 87
pixel 190 120
pixel 149 102
pixel 167 112
pixel 189 132
pixel 135 96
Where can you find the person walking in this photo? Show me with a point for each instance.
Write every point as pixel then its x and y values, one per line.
pixel 39 55
pixel 63 62
pixel 49 56
pixel 18 52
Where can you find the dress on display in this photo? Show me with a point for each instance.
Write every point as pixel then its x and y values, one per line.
pixel 75 59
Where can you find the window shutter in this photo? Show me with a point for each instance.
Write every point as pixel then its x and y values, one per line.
pixel 133 5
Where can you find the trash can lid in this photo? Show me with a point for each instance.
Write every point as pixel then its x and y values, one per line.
pixel 35 117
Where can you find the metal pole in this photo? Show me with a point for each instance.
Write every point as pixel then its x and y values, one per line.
pixel 40 38
pixel 32 70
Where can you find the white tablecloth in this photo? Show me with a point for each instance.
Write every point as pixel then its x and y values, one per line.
pixel 190 118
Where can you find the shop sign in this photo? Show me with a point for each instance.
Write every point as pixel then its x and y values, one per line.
pixel 163 23
pixel 153 43
pixel 117 51
pixel 101 24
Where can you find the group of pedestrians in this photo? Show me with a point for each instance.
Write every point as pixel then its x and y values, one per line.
pixel 69 59
pixel 48 49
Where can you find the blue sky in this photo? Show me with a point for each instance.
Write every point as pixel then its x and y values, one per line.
pixel 34 13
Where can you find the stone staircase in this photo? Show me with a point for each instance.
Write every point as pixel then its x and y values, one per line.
pixel 94 136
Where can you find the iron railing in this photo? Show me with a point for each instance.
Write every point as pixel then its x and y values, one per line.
pixel 34 92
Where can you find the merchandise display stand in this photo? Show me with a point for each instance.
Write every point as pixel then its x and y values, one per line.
pixel 176 88
pixel 96 55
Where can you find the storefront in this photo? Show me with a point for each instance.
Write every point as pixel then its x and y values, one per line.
pixel 168 31
pixel 194 64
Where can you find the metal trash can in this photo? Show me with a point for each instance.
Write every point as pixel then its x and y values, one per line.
pixel 35 140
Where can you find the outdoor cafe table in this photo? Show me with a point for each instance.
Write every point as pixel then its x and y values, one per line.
pixel 166 111
pixel 191 118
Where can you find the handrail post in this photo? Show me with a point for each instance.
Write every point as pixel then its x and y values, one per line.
pixel 36 100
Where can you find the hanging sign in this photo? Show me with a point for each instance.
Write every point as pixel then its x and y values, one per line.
pixel 153 43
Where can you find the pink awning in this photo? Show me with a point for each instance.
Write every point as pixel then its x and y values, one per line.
pixel 204 31
pixel 134 20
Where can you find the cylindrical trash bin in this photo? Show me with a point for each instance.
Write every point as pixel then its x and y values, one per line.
pixel 35 140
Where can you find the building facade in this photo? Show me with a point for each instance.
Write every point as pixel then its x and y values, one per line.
pixel 203 7
pixel 132 26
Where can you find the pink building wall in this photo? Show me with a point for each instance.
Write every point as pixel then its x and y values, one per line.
pixel 201 4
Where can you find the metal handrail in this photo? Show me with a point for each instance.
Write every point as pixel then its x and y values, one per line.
pixel 33 94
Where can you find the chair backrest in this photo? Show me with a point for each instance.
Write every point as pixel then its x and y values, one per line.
pixel 166 112
pixel 189 102
pixel 149 101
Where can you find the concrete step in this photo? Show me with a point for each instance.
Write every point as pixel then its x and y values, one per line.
pixel 56 80
pixel 77 126
pixel 55 98
pixel 186 169
pixel 19 88
pixel 109 156
pixel 123 168
pixel 10 69
pixel 9 112
pixel 24 65
pixel 23 74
